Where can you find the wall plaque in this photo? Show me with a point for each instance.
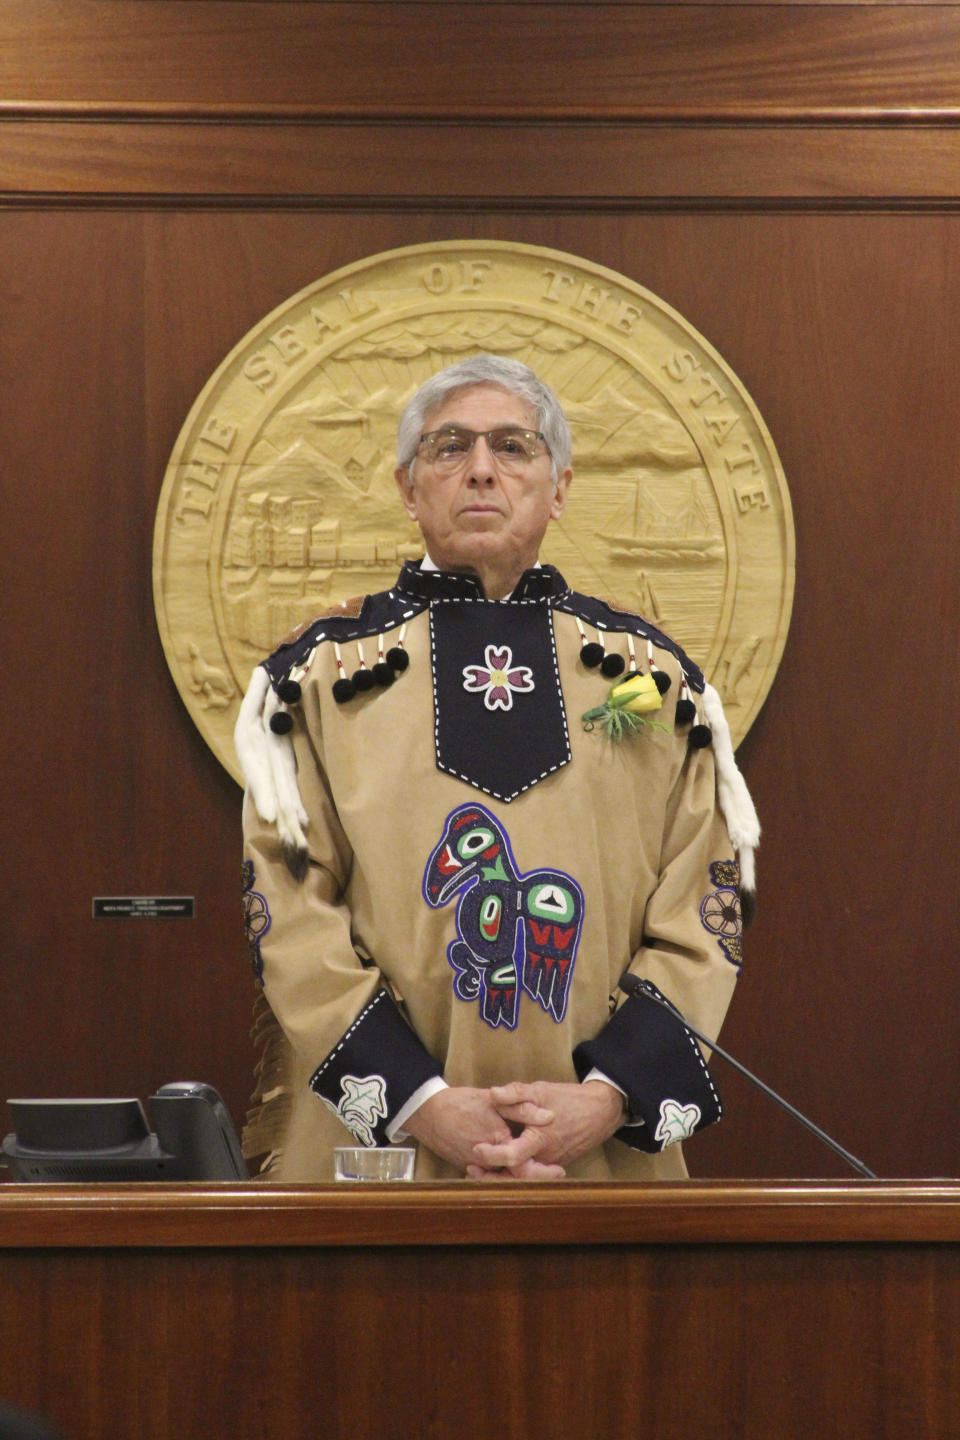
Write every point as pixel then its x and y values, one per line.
pixel 144 907
pixel 279 497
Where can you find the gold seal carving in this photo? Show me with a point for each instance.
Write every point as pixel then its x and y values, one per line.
pixel 279 498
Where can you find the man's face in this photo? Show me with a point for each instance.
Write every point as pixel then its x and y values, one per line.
pixel 481 513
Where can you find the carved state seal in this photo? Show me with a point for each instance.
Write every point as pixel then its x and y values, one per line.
pixel 279 498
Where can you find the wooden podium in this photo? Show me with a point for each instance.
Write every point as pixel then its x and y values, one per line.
pixel 609 1312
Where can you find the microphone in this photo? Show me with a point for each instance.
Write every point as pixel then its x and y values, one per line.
pixel 632 985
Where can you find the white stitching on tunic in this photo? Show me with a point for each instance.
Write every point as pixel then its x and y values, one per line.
pixel 447 770
pixel 363 631
pixel 703 1067
pixel 636 626
pixel 380 995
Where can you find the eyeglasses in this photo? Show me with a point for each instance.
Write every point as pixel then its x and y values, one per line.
pixel 510 446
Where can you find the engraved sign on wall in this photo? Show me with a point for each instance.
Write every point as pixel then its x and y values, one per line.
pixel 279 497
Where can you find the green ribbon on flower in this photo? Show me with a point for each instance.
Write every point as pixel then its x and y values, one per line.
pixel 627 708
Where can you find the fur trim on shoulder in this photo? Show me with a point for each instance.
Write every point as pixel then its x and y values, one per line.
pixel 738 808
pixel 250 743
pixel 270 769
pixel 291 816
pixel 350 608
pixel 619 606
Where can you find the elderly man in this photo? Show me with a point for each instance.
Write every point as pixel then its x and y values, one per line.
pixel 474 801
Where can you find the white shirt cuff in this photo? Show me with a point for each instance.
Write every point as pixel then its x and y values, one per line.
pixel 395 1130
pixel 596 1074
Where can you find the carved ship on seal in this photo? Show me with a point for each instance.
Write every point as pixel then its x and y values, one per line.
pixel 654 533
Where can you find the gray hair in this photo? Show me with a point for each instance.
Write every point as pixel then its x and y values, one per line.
pixel 510 375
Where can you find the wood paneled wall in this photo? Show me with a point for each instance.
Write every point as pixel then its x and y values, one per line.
pixel 786 175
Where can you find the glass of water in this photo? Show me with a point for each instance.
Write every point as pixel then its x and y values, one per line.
pixel 361 1162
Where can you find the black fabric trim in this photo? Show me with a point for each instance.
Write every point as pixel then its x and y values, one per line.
pixel 502 752
pixel 382 1053
pixel 654 1058
pixel 623 622
pixel 415 588
pixel 541 582
pixel 387 610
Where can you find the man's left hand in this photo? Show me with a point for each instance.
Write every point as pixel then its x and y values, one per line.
pixel 584 1116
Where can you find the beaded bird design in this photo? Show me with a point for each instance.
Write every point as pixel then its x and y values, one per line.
pixel 514 932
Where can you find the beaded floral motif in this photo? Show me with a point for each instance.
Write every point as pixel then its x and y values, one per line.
pixel 720 910
pixel 256 918
pixel 498 678
pixel 677 1122
pixel 363 1101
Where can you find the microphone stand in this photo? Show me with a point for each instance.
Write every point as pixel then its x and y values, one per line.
pixel 633 985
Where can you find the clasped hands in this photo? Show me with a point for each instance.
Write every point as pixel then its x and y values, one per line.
pixel 521 1131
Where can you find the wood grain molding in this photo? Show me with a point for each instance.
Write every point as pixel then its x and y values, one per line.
pixel 229 59
pixel 304 105
pixel 468 1213
pixel 341 166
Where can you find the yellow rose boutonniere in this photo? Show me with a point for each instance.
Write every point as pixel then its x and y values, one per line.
pixel 627 708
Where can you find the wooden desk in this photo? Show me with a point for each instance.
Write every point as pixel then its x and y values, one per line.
pixel 701 1312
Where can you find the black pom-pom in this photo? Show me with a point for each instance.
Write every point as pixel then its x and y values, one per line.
pixel 686 711
pixel 699 737
pixel 281 723
pixel 591 654
pixel 398 658
pixel 363 680
pixel 289 692
pixel 662 680
pixel 383 673
pixel 343 690
pixel 612 665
